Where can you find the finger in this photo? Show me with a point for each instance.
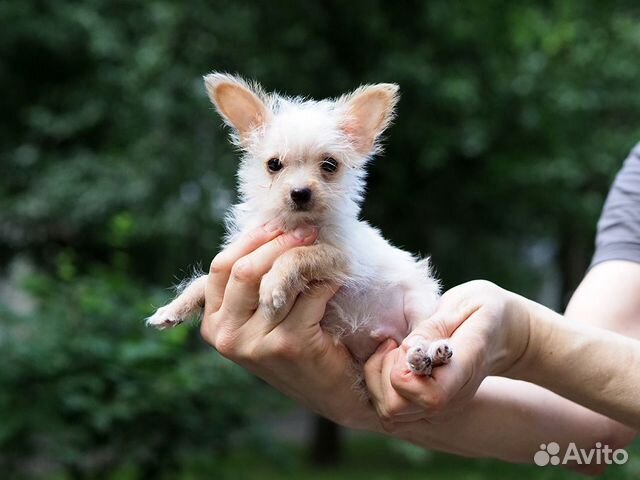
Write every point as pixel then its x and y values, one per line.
pixel 373 369
pixel 389 405
pixel 398 408
pixel 241 296
pixel 223 262
pixel 310 307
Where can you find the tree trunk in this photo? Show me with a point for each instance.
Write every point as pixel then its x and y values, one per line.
pixel 573 262
pixel 326 442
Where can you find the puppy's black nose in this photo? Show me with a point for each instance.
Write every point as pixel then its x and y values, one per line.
pixel 301 196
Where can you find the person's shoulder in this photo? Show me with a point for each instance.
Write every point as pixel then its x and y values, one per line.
pixel 618 236
pixel 629 175
pixel 633 160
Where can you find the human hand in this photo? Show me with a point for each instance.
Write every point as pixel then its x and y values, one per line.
pixel 290 351
pixel 488 329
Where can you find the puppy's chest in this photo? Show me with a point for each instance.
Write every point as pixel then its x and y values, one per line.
pixel 362 316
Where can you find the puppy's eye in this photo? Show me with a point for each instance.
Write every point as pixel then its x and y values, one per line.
pixel 329 165
pixel 274 164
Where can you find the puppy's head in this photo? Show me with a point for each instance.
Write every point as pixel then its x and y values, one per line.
pixel 303 160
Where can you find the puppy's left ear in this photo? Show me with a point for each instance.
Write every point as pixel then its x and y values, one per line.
pixel 368 112
pixel 239 103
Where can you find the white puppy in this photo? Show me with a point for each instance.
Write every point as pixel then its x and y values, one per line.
pixel 304 164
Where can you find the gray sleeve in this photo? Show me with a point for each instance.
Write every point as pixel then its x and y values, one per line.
pixel 618 235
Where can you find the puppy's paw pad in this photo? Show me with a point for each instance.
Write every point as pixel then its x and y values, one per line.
pixel 441 352
pixel 164 318
pixel 418 361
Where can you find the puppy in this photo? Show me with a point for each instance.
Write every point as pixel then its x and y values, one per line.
pixel 304 164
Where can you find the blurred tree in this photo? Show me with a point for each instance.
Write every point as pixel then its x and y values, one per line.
pixel 87 391
pixel 513 120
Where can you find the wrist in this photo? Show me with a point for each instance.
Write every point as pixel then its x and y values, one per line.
pixel 519 314
pixel 538 320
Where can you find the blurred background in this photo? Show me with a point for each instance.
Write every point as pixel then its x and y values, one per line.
pixel 115 173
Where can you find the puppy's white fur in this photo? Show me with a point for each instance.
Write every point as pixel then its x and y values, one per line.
pixel 385 291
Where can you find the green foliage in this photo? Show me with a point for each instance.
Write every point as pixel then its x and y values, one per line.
pixel 86 389
pixel 513 120
pixel 115 173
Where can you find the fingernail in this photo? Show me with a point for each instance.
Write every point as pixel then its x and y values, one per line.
pixel 272 225
pixel 304 232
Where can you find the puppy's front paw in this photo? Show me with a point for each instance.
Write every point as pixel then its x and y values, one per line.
pixel 165 317
pixel 273 294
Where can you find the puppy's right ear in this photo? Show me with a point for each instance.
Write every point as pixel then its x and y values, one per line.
pixel 369 111
pixel 237 102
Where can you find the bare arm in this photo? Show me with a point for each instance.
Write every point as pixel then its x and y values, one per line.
pixel 596 368
pixel 509 419
pixel 493 422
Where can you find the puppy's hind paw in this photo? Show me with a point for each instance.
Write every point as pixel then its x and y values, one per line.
pixel 423 357
pixel 164 317
pixel 440 352
pixel 419 361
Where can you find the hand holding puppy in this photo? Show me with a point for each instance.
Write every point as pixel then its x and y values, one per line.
pixel 488 329
pixel 290 351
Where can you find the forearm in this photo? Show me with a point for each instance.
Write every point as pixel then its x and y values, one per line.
pixel 591 366
pixel 509 419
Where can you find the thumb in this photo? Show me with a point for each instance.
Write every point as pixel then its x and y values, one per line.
pixel 449 315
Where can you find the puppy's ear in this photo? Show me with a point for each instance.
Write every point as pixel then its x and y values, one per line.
pixel 368 112
pixel 238 103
